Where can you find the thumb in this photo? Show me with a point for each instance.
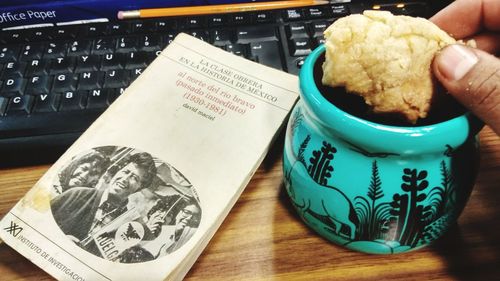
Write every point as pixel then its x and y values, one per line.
pixel 472 76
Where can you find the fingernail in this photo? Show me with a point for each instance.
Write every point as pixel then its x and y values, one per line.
pixel 455 61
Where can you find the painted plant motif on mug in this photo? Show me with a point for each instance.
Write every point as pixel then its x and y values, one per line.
pixel 367 202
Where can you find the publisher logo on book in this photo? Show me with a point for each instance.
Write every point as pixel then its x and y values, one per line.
pixel 14 229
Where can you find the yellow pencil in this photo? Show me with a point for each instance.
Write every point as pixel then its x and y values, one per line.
pixel 216 9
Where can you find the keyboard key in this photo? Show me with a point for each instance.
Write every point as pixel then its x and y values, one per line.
pixel 194 22
pixel 15 36
pixel 113 94
pixel 90 80
pixel 293 14
pixel 267 53
pixel 87 63
pixel 249 34
pixel 134 73
pixel 20 105
pixel 55 50
pixel 243 18
pixel 62 65
pixel 37 67
pixel 117 78
pixel 296 30
pixel 46 103
pixel 14 69
pixel 299 47
pixel 138 27
pixel 39 34
pixel 202 35
pixel 318 28
pixel 113 61
pixel 126 44
pixel 9 53
pixel 319 40
pixel 264 17
pixel 167 39
pixel 73 101
pixel 339 10
pixel 79 47
pixel 38 85
pixel 32 51
pixel 149 43
pixel 13 86
pixel 162 25
pixel 92 30
pixel 64 82
pixel 221 37
pixel 154 55
pixel 138 60
pixel 63 32
pixel 104 46
pixel 120 28
pixel 97 99
pixel 217 20
pixel 317 12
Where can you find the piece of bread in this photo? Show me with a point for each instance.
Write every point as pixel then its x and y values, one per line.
pixel 386 59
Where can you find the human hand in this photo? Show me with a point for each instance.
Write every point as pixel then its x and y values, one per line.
pixel 472 76
pixel 155 222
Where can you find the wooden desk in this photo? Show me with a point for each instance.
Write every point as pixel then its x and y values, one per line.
pixel 263 239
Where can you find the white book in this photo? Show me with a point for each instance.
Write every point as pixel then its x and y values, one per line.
pixel 140 194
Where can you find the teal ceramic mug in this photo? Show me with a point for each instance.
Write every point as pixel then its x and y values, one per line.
pixel 373 187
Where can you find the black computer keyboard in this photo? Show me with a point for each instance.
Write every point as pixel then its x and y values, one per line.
pixel 55 81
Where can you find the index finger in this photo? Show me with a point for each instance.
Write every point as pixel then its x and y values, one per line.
pixel 464 18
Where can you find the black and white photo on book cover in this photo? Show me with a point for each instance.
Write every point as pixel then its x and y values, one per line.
pixel 124 205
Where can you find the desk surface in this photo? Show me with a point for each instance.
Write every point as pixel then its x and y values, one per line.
pixel 263 239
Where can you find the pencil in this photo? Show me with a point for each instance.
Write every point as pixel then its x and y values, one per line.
pixel 216 9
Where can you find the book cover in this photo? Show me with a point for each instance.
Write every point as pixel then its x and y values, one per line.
pixel 144 189
pixel 30 12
